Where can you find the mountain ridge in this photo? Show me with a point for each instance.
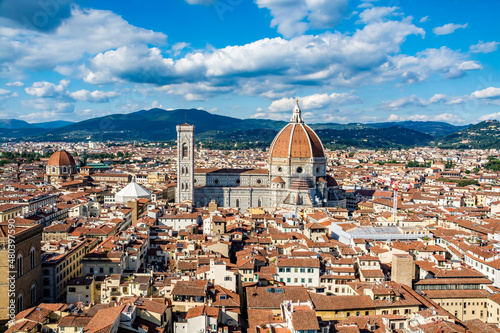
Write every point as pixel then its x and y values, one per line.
pixel 160 125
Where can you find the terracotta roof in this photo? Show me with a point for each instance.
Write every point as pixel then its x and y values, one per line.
pixel 305 320
pixel 61 158
pixel 296 140
pixel 203 310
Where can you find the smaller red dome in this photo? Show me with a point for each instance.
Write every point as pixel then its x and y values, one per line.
pixel 61 158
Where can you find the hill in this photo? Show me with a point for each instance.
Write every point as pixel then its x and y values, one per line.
pixel 13 124
pixel 160 125
pixel 485 135
pixel 51 124
pixel 434 128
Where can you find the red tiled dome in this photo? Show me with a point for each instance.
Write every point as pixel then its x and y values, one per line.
pixel 61 158
pixel 296 140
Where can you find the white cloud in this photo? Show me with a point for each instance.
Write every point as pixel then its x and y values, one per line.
pixel 376 14
pixel 178 47
pixel 438 98
pixel 15 84
pixel 491 116
pixel 448 28
pixel 483 47
pixel 444 117
pixel 316 107
pixel 48 89
pixel 402 102
pixel 4 92
pixel 424 19
pixel 49 105
pixel 294 17
pixel 333 58
pixel 85 32
pixel 490 92
pixel 95 96
pixel 469 65
pixel 199 91
pixel 311 102
pixel 413 100
pixel 156 105
pixel 444 61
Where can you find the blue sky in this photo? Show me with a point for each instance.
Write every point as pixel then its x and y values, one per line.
pixel 345 60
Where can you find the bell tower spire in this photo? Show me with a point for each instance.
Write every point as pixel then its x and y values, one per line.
pixel 297 114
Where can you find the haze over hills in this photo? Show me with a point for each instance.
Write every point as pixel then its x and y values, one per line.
pixel 21 124
pixel 160 125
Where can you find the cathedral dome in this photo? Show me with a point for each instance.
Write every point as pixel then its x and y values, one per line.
pixel 61 158
pixel 296 140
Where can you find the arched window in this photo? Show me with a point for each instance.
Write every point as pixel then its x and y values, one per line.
pixel 32 258
pixel 238 203
pixel 184 150
pixel 20 303
pixel 33 294
pixel 64 170
pixel 259 203
pixel 19 265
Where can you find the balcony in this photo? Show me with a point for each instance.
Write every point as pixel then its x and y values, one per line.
pixel 116 293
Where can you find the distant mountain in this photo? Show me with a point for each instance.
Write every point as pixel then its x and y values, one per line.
pixel 160 125
pixel 485 135
pixel 154 124
pixel 13 123
pixel 18 124
pixel 434 128
pixel 52 124
pixel 392 137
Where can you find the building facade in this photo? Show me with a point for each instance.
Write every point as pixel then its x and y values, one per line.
pixel 296 176
pixel 27 267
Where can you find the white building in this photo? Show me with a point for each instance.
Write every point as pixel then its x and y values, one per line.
pixel 218 274
pixel 131 192
pixel 299 271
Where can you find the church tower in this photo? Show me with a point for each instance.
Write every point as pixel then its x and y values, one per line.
pixel 185 162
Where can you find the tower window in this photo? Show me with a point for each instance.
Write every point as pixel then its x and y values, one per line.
pixel 20 303
pixel 184 150
pixel 33 294
pixel 19 265
pixel 317 170
pixel 32 258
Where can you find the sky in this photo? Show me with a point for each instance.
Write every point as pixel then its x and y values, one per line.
pixel 344 60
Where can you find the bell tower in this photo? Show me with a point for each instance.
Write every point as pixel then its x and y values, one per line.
pixel 185 162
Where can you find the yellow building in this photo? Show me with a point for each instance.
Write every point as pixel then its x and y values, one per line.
pixel 9 211
pixel 463 304
pixel 156 177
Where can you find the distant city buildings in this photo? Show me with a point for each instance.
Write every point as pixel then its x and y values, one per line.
pixel 151 238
